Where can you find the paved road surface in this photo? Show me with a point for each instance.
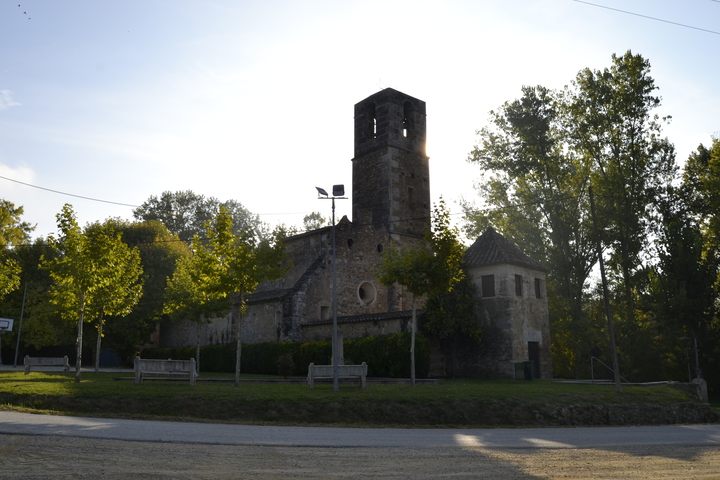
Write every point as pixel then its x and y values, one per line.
pixel 45 446
pixel 205 433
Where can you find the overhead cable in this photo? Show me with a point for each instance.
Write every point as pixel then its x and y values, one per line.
pixel 651 18
pixel 68 194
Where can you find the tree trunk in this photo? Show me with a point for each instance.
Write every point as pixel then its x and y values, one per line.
pixel 453 354
pixel 97 345
pixel 412 345
pixel 78 356
pixel 239 317
pixel 197 350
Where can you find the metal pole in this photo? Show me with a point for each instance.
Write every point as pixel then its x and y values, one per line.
pixel 698 373
pixel 22 311
pixel 606 294
pixel 336 386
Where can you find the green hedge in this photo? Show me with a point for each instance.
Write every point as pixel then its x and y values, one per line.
pixel 385 355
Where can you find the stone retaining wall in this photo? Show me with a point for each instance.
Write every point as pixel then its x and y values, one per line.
pixel 632 414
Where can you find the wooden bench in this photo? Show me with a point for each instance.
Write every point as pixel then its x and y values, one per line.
pixel 145 367
pixel 46 362
pixel 344 371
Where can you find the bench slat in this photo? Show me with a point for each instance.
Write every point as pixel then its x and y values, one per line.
pixel 145 367
pixel 344 371
pixel 29 362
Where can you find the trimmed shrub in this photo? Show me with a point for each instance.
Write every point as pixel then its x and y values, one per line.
pixel 389 355
pixel 285 364
pixel 319 353
pixel 262 358
pixel 385 355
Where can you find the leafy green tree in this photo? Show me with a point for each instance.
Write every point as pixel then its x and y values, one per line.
pixel 313 221
pixel 537 188
pixel 110 304
pixel 542 151
pixel 451 316
pixel 42 324
pixel 159 250
pixel 221 272
pixel 186 213
pixel 191 292
pixel 612 125
pixel 425 268
pixel 12 232
pixel 683 289
pixel 94 273
pixel 701 190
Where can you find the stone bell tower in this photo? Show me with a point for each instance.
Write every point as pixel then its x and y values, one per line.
pixel 391 178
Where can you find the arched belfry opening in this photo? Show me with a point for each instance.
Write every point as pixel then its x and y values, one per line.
pixel 407 118
pixel 391 185
pixel 371 120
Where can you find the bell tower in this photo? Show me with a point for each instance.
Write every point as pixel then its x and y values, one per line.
pixel 391 178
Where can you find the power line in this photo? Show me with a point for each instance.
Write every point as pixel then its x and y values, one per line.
pixel 651 18
pixel 117 203
pixel 68 194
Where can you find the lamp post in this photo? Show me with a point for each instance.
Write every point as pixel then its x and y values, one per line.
pixel 338 193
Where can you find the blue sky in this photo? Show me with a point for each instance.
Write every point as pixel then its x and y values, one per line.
pixel 253 100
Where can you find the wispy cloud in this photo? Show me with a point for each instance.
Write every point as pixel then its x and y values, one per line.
pixel 6 100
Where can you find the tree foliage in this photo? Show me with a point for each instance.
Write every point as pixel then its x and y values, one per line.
pixel 541 153
pixel 613 126
pixel 221 271
pixel 314 220
pixel 42 325
pixel 428 267
pixel 186 213
pixel 539 185
pixel 701 191
pixel 159 251
pixel 451 317
pixel 94 273
pixel 13 232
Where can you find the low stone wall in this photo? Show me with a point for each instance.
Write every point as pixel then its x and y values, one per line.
pixel 632 414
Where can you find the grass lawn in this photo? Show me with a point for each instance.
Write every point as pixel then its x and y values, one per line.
pixel 460 402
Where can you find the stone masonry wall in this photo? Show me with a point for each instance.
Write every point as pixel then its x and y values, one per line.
pixel 510 321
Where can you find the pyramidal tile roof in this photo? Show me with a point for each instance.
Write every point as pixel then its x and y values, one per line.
pixel 491 248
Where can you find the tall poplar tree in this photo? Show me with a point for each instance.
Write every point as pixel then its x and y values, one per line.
pixel 537 190
pixel 543 151
pixel 613 125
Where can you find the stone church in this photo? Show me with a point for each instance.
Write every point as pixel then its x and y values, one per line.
pixel 390 204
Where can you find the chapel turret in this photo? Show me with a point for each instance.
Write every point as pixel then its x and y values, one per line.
pixel 391 179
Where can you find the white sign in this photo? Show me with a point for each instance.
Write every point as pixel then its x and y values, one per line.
pixel 6 324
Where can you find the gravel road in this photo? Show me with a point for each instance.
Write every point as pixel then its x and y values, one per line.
pixel 52 457
pixel 58 447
